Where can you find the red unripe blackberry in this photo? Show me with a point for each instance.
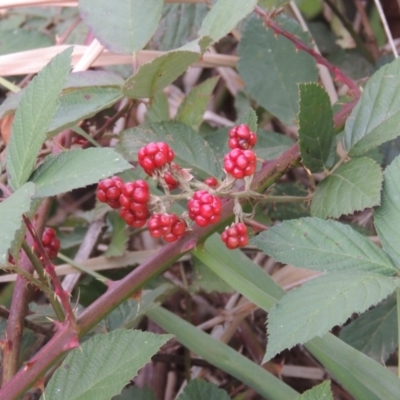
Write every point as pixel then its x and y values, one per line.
pixel 155 156
pixel 168 226
pixel 235 236
pixel 241 137
pixel 240 163
pixel 204 208
pixel 50 242
pixel 133 199
pixel 109 190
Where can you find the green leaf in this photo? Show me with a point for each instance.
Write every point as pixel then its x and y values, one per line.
pixel 206 280
pixel 198 389
pixel 82 96
pixel 376 117
pixel 20 39
pixel 33 116
pixel 154 76
pixel 136 393
pixel 387 216
pixel 368 381
pixel 222 356
pixel 354 186
pixel 76 168
pixel 316 133
pixel 129 313
pixel 224 16
pixel 272 68
pixel 82 103
pixel 322 245
pixel 249 118
pixel 321 392
pixel 191 151
pixel 191 110
pixel 375 332
pixel 179 25
pixel 271 145
pixel 11 210
pixel 237 270
pixel 324 302
pixel 103 365
pixel 158 109
pixel 119 236
pixel 124 29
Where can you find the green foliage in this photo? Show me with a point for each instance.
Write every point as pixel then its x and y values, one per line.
pixel 191 151
pixel 76 168
pixel 113 359
pixel 222 356
pixel 387 216
pixel 11 210
pixel 198 389
pixel 262 55
pixel 375 332
pixel 119 236
pixel 324 246
pixel 132 24
pixel 316 134
pixel 179 25
pixel 15 40
pixel 158 109
pixel 324 302
pixel 191 110
pixel 224 16
pixel 33 116
pixel 154 76
pixel 319 392
pixel 346 190
pixel 133 392
pixel 376 117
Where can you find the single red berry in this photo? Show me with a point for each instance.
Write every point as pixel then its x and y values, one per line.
pixel 109 190
pixel 235 236
pixel 171 182
pixel 241 137
pixel 211 181
pixel 240 163
pixel 178 229
pixel 155 156
pixel 204 208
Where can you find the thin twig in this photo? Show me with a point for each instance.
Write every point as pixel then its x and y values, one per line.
pixel 386 27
